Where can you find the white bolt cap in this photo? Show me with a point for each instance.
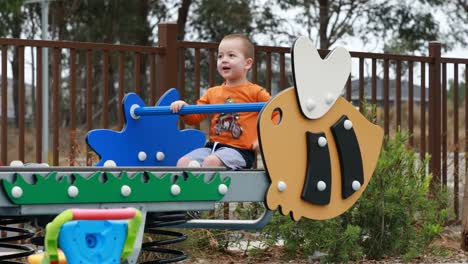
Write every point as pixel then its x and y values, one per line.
pixel 356 185
pixel 16 163
pixel 322 142
pixel 175 189
pixel 329 98
pixel 160 155
pixel 73 191
pixel 17 192
pixel 222 189
pixel 348 124
pixel 194 164
pixel 282 186
pixel 125 190
pixel 110 163
pixel 132 111
pixel 310 104
pixel 141 156
pixel 321 186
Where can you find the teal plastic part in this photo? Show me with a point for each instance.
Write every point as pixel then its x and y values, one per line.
pixel 91 241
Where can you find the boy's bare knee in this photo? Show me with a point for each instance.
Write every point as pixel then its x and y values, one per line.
pixel 183 162
pixel 212 161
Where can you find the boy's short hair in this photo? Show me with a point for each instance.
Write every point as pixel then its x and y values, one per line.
pixel 249 48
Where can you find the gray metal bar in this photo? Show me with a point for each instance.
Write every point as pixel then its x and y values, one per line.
pixel 230 224
pixel 54 209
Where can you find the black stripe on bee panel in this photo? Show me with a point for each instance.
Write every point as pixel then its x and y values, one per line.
pixel 350 156
pixel 318 169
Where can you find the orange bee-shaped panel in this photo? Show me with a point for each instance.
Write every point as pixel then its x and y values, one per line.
pixel 319 163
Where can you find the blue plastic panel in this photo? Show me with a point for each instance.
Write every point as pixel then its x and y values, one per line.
pixel 91 241
pixel 148 134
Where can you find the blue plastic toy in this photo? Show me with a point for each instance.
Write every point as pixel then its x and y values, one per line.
pixel 153 140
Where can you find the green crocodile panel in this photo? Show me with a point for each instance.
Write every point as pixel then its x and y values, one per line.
pixel 142 187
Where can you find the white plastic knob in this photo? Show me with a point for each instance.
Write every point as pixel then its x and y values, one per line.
pixel 141 156
pixel 194 164
pixel 175 189
pixel 222 189
pixel 126 191
pixel 329 99
pixel 348 124
pixel 356 185
pixel 16 163
pixel 322 142
pixel 282 186
pixel 73 191
pixel 321 186
pixel 310 104
pixel 160 155
pixel 110 163
pixel 17 192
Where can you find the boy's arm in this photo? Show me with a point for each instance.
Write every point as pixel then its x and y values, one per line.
pixel 191 119
pixel 263 95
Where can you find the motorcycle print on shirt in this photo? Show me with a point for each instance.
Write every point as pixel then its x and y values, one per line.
pixel 227 122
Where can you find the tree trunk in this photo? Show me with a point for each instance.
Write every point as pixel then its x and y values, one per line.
pixel 143 38
pixel 15 70
pixel 16 33
pixel 59 15
pixel 324 6
pixel 114 106
pixel 182 18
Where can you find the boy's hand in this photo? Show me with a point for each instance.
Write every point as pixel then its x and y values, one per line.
pixel 177 105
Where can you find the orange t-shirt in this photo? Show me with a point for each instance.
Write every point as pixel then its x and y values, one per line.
pixel 235 129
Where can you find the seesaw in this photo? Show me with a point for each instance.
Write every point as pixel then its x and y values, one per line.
pixel 318 159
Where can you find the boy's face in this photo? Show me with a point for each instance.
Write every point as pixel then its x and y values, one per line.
pixel 232 63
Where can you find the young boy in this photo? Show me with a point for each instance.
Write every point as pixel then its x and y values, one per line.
pixel 233 136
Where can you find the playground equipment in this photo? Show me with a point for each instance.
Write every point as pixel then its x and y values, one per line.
pixel 318 157
pixel 90 236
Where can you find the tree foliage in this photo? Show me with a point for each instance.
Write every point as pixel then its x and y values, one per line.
pixel 398 26
pixel 213 19
pixel 11 18
pixel 402 27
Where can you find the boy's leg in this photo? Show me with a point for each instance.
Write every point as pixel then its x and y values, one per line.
pixel 197 155
pixel 184 162
pixel 212 161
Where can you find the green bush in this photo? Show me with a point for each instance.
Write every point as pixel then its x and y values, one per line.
pixel 396 215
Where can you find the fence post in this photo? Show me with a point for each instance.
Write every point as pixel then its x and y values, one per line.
pixel 167 63
pixel 435 113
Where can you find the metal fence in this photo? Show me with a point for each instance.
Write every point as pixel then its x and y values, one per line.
pixel 89 80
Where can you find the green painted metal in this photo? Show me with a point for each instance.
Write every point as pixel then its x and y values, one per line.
pixel 52 233
pixel 132 232
pixel 52 189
